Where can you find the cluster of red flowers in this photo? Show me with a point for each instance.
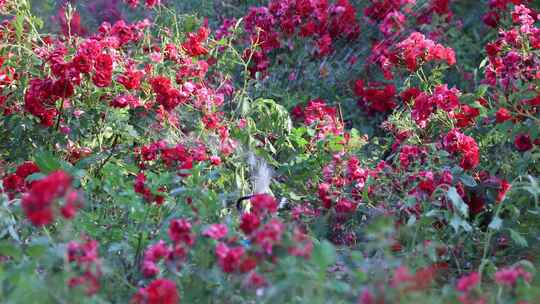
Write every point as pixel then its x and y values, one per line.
pixel 160 291
pixel 323 118
pixel 104 61
pixel 148 3
pixel 16 182
pixel 416 50
pixel 7 76
pixel 167 96
pixel 428 181
pixel 193 45
pixel 456 142
pixel 508 276
pixel 508 64
pixel 383 11
pixel 178 157
pixel 425 104
pixel 341 173
pixel 270 27
pixel 95 57
pixel 237 258
pixel 86 258
pixel 233 259
pixel 497 8
pixel 376 97
pixel 40 99
pixel 342 191
pixel 466 285
pixel 379 9
pixel 422 279
pixel 141 188
pixel 182 240
pixel 410 154
pixel 38 202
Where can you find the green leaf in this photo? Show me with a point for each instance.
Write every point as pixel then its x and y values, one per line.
pixel 324 254
pixel 518 239
pixel 482 89
pixel 18 24
pixel 35 251
pixel 458 202
pixel 48 163
pixel 10 250
pixel 468 180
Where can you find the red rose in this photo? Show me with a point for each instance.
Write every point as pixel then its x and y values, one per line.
pixel 523 142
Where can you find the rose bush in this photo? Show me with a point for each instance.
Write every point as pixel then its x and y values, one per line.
pixel 287 151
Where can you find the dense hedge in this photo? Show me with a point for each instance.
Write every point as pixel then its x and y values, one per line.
pixel 283 151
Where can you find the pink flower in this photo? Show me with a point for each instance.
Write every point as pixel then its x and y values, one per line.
pixel 180 232
pixel 468 282
pixel 262 203
pixel 345 206
pixel 103 69
pixel 416 50
pixel 194 43
pixel 161 291
pixel 85 256
pixel 149 269
pixel 502 115
pixel 216 231
pixel 366 297
pixel 156 252
pixel 249 222
pixel 123 101
pixel 229 258
pixel 508 276
pixel 152 3
pixel 459 143
pixel 215 160
pixel 269 235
